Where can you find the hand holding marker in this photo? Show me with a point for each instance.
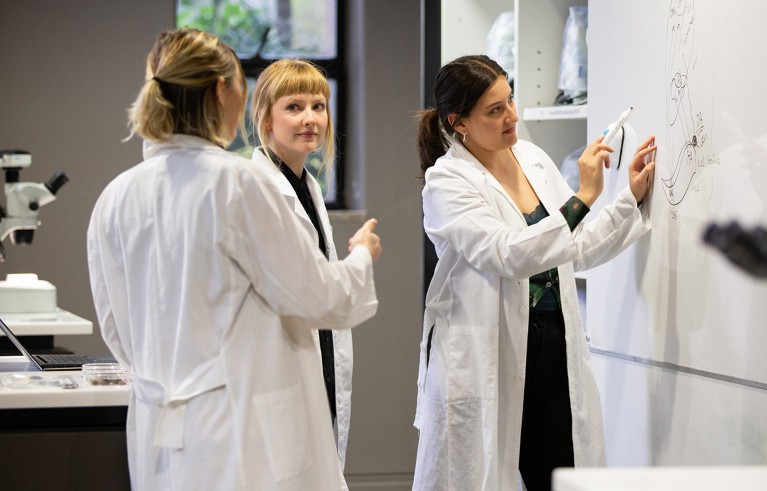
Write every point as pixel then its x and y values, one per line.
pixel 612 130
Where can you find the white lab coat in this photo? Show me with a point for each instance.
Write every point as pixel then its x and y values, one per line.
pixel 342 340
pixel 199 293
pixel 469 409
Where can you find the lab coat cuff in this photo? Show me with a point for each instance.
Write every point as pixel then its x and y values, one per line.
pixel 362 251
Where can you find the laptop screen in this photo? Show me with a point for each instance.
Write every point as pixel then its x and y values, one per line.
pixel 7 331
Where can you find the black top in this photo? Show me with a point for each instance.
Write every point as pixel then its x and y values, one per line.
pixel 301 187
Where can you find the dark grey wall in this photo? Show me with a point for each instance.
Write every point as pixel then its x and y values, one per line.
pixel 70 70
pixel 386 88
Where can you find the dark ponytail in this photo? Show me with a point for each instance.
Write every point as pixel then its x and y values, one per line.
pixel 459 85
pixel 432 142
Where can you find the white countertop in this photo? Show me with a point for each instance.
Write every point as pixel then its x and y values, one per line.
pixel 23 387
pixel 56 323
pixel 699 478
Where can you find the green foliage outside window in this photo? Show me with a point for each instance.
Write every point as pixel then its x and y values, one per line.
pixel 243 27
pixel 237 24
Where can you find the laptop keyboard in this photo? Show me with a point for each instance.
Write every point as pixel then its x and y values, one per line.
pixel 63 359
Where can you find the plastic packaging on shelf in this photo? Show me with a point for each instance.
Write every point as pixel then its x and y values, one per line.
pixel 105 374
pixel 573 65
pixel 501 44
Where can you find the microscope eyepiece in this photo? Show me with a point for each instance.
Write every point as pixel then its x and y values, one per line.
pixel 55 182
pixel 22 237
pixel 12 174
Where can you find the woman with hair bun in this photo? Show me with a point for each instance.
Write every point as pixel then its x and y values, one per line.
pixel 505 387
pixel 194 288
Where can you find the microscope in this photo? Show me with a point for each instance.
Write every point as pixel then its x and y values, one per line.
pixel 744 247
pixel 23 199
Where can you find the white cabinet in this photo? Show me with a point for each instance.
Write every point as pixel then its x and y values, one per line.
pixel 464 26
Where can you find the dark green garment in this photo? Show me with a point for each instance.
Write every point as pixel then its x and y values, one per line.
pixel 544 287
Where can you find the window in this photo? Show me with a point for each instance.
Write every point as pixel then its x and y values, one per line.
pixel 261 31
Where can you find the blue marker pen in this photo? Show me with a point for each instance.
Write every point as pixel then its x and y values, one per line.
pixel 613 130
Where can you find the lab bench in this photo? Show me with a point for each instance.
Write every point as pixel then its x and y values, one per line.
pixel 53 437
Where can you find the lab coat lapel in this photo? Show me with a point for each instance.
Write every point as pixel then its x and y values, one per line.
pixel 534 170
pixel 463 153
pixel 290 194
pixel 319 204
pixel 284 187
pixel 538 177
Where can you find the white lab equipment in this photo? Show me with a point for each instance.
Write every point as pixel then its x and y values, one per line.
pixel 26 302
pixel 25 293
pixel 23 199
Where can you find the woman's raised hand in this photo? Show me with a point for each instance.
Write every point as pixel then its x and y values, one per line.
pixel 366 237
pixel 641 170
pixel 591 165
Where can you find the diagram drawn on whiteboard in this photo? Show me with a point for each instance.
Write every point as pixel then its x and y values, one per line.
pixel 685 124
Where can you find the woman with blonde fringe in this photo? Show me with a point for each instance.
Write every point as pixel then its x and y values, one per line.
pixel 291 119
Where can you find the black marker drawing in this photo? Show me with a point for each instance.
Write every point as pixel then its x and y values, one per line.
pixel 686 130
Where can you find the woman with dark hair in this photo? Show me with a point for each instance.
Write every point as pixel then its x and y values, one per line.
pixel 505 387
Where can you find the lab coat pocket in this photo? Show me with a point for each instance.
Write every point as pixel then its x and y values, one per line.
pixel 472 361
pixel 284 425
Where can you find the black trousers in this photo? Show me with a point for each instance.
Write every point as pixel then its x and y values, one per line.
pixel 547 438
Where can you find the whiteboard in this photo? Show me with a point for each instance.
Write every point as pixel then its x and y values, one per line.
pixel 694 71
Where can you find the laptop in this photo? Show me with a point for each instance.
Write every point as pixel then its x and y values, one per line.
pixel 54 361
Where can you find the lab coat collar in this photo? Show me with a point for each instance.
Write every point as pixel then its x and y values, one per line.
pixel 283 185
pixel 528 159
pixel 457 150
pixel 273 171
pixel 175 142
